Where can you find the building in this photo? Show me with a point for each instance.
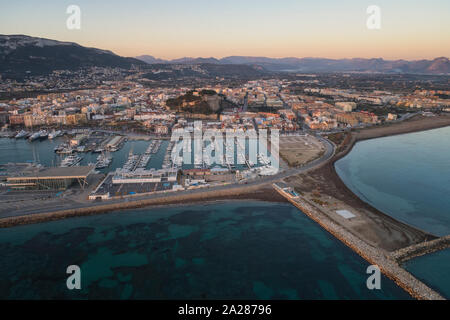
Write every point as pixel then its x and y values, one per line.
pixel 50 178
pixel 145 176
pixel 32 120
pixel 78 140
pixel 346 106
pixel 196 172
pixel 76 118
pixel 347 118
pixel 4 117
pixel 114 142
pixel 16 119
pixel 392 117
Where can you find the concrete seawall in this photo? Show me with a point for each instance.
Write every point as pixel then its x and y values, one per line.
pixel 375 256
pixel 421 249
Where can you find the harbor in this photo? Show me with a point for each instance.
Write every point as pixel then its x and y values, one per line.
pixel 130 179
pixel 138 167
pixel 81 148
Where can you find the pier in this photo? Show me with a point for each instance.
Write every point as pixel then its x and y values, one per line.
pixel 375 256
pixel 420 249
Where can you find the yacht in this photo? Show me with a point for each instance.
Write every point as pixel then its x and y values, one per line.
pixel 103 161
pixel 54 134
pixel 99 150
pixel 43 134
pixel 22 134
pixel 130 165
pixel 150 148
pixel 81 148
pixel 34 136
pixel 70 161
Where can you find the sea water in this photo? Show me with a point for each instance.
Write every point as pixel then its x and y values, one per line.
pixel 225 250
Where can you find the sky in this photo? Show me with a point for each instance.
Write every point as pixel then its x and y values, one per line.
pixel 169 29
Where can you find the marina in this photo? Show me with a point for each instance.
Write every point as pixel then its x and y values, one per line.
pixel 143 165
pixel 71 161
pixel 51 152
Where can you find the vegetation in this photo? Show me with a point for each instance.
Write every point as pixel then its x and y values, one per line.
pixel 190 103
pixel 381 111
pixel 337 138
pixel 320 202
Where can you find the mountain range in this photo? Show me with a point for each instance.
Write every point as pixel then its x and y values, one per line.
pixel 436 66
pixel 21 55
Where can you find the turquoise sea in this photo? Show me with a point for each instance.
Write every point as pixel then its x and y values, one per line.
pixel 431 270
pixel 227 250
pixel 408 177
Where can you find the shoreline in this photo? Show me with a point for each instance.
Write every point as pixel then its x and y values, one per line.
pixel 373 255
pixel 382 132
pixel 258 192
pixel 263 193
pixel 381 254
pixel 391 130
pixel 384 251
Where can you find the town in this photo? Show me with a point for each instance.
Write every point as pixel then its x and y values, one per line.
pixel 90 125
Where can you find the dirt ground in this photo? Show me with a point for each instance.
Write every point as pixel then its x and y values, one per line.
pixel 299 150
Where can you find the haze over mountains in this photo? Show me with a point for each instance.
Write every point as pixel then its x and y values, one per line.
pixel 21 55
pixel 437 66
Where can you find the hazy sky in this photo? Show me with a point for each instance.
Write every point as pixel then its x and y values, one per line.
pixel 412 29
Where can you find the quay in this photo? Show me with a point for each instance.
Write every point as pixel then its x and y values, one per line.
pixel 375 256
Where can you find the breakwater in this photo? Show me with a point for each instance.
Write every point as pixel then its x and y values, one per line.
pixel 243 192
pixel 375 256
pixel 421 249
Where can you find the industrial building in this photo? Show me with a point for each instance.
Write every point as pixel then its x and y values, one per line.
pixel 145 176
pixel 50 178
pixel 128 183
pixel 114 143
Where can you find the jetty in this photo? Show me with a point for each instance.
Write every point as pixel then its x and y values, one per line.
pixel 420 249
pixel 373 255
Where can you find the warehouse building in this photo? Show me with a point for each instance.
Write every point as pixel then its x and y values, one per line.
pixel 51 179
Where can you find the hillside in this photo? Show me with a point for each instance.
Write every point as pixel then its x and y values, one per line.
pixel 204 102
pixel 21 55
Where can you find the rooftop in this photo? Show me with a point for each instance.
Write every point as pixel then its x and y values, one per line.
pixel 58 173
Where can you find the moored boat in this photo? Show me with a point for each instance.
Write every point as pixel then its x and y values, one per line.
pixel 34 136
pixel 22 134
pixel 71 161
